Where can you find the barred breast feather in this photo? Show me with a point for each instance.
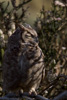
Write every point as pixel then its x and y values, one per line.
pixel 23 61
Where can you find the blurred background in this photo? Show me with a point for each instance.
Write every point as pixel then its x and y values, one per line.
pixel 49 18
pixel 34 8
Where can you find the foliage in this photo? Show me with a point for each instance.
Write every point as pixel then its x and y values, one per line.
pixel 52 31
pixel 51 27
pixel 9 20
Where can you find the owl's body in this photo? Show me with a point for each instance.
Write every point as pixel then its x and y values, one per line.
pixel 23 65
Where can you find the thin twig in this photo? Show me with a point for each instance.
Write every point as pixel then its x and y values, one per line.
pixel 53 83
pixel 20 5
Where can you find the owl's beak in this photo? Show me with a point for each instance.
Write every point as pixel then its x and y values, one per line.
pixel 37 40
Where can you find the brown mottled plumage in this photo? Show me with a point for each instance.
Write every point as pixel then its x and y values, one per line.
pixel 23 63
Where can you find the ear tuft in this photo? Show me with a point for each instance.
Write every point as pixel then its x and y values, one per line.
pixel 28 26
pixel 21 27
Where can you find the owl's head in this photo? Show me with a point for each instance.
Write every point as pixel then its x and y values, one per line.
pixel 28 34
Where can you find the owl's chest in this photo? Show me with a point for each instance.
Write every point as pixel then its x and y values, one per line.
pixel 31 61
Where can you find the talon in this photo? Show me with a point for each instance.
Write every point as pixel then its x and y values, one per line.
pixel 32 91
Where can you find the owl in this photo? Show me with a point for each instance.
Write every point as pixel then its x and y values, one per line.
pixel 23 61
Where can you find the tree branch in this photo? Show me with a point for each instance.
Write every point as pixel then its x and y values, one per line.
pixel 53 83
pixel 20 5
pixel 62 96
pixel 25 94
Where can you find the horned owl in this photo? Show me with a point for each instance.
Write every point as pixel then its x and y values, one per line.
pixel 23 61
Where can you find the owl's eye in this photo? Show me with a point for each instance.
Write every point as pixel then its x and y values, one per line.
pixel 31 35
pixel 27 35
